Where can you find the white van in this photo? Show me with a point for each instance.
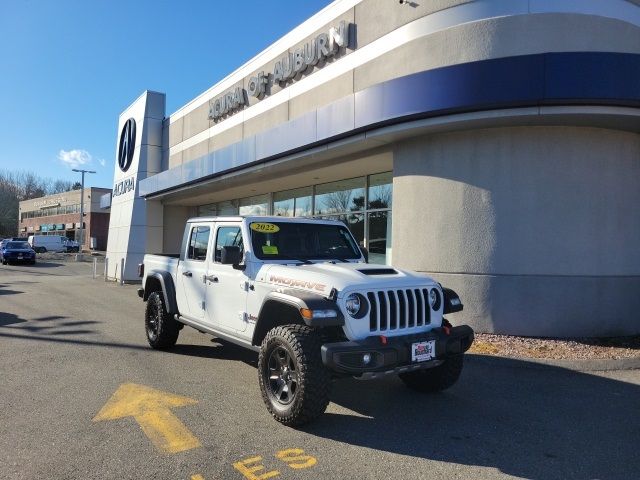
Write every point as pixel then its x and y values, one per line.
pixel 48 243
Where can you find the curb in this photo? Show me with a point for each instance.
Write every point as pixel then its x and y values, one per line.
pixel 581 365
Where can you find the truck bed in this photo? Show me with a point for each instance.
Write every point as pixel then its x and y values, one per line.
pixel 162 262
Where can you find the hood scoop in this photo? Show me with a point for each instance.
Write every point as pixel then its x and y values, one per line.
pixel 378 271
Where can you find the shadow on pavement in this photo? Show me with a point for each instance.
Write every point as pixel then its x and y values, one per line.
pixel 8 291
pixel 71 332
pixel 38 264
pixel 520 418
pixel 632 342
pixel 48 326
pixel 9 318
pixel 49 318
pixel 220 350
pixel 41 264
pixel 523 419
pixel 4 291
pixel 34 270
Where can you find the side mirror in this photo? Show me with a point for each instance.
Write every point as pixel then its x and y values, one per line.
pixel 365 254
pixel 230 256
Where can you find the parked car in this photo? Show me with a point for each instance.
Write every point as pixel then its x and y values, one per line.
pixel 17 252
pixel 48 243
pixel 72 245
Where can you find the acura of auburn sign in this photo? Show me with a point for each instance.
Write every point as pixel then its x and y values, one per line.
pixel 322 47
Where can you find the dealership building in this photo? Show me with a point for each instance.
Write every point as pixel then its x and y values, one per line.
pixel 59 214
pixel 492 144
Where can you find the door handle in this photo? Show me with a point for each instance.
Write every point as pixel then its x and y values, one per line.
pixel 211 278
pixel 187 274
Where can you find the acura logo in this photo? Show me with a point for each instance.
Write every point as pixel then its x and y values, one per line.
pixel 127 144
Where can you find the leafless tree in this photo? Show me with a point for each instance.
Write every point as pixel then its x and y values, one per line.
pixel 18 186
pixel 336 202
pixel 60 186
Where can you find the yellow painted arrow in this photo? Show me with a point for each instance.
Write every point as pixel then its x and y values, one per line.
pixel 152 410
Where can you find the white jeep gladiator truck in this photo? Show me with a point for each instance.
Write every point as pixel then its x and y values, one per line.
pixel 299 292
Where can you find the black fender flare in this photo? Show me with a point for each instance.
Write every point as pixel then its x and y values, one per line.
pixel 452 301
pixel 291 299
pixel 167 286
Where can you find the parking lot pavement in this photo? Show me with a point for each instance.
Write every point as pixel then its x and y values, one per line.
pixel 83 396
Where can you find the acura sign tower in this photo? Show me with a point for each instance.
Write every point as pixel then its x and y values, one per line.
pixel 135 226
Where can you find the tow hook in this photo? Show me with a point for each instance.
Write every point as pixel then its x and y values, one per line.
pixel 446 326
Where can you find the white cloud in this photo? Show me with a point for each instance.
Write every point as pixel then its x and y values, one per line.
pixel 102 162
pixel 75 158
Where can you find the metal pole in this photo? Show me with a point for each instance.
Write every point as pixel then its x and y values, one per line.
pixel 81 224
pixel 106 268
pixel 80 228
pixel 122 271
pixel 95 267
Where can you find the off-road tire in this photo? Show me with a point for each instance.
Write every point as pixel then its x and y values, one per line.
pixel 311 395
pixel 436 379
pixel 161 328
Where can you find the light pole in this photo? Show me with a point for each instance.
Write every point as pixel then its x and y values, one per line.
pixel 81 227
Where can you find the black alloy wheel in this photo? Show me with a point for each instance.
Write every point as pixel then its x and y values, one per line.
pixel 293 381
pixel 161 328
pixel 283 376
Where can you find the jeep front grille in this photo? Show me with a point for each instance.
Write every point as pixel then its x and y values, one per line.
pixel 398 309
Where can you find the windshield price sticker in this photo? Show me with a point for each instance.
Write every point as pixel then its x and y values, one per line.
pixel 265 227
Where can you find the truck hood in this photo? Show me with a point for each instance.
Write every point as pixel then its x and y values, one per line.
pixel 321 278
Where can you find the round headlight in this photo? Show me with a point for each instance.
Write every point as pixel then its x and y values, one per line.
pixel 353 304
pixel 434 299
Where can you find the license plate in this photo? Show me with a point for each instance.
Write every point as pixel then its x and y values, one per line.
pixel 423 351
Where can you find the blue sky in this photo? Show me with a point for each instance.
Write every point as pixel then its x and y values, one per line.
pixel 69 68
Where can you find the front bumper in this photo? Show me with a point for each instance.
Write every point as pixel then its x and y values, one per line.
pixel 393 354
pixel 15 259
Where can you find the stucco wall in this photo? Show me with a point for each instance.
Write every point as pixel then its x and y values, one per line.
pixel 536 227
pixel 452 41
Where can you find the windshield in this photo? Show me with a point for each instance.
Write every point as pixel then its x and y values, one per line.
pixel 302 241
pixel 18 245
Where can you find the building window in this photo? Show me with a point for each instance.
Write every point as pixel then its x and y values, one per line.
pixel 210 210
pixel 379 236
pixel 362 203
pixel 50 211
pixel 226 208
pixel 380 191
pixel 340 197
pixel 293 203
pixel 258 205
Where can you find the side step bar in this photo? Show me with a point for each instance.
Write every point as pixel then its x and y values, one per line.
pixel 216 333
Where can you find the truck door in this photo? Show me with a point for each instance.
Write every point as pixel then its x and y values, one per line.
pixel 192 271
pixel 226 286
